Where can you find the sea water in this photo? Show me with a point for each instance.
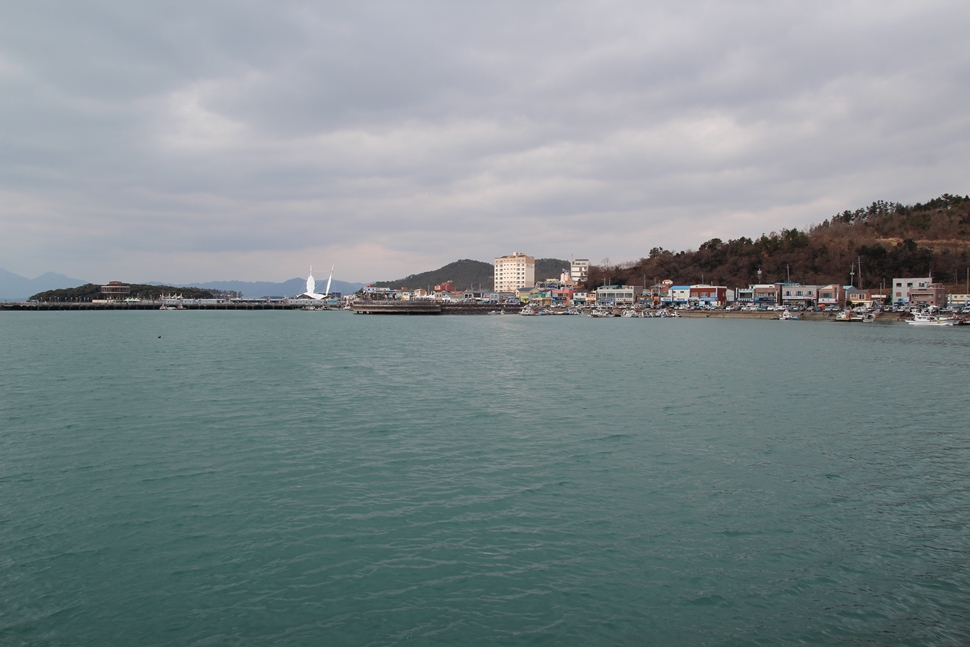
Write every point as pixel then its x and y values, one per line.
pixel 321 478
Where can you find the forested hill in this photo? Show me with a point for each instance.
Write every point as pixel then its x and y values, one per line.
pixel 891 239
pixel 468 274
pixel 90 291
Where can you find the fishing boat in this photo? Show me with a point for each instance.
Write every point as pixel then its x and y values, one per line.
pixel 845 316
pixel 924 319
pixel 788 316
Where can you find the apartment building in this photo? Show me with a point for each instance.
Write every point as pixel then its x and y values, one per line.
pixel 579 271
pixel 514 272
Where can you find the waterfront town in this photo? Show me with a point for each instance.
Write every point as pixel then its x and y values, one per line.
pixel 516 291
pixel 515 283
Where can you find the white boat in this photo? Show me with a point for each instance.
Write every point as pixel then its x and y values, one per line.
pixel 923 319
pixel 788 316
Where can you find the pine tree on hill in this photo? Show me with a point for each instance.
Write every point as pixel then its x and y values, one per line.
pixel 890 239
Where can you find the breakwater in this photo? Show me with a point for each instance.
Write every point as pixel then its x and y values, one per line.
pixel 432 308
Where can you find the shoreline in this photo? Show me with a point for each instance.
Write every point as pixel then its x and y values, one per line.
pixel 406 308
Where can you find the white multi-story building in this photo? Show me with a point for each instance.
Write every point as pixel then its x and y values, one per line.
pixel 515 271
pixel 901 288
pixel 616 295
pixel 579 270
pixel 680 293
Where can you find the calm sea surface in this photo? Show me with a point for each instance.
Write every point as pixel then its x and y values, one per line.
pixel 295 478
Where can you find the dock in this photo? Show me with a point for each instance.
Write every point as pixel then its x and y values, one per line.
pixel 359 307
pixel 432 308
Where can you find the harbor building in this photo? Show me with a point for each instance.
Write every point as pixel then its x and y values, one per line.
pixel 933 294
pixel 514 272
pixel 115 291
pixel 766 293
pixel 858 297
pixel 579 271
pixel 958 300
pixel 708 295
pixel 799 295
pixel 902 287
pixel 616 295
pixel 679 294
pixel 831 296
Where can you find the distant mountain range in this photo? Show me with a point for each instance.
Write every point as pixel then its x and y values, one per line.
pixel 467 274
pixel 17 288
pixel 291 288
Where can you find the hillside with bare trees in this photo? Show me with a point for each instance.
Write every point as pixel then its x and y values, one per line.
pixel 886 239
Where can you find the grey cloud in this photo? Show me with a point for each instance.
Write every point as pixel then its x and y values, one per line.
pixel 439 130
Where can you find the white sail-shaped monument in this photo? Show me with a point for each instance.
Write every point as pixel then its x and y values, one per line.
pixel 311 287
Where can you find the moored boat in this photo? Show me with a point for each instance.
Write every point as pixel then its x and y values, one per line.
pixel 924 319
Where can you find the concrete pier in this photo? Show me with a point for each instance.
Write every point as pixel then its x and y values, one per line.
pixel 431 308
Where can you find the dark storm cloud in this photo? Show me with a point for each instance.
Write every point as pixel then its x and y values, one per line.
pixel 250 137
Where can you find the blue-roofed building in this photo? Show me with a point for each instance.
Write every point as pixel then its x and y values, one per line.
pixel 679 294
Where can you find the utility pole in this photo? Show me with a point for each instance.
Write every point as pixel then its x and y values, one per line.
pixel 859 263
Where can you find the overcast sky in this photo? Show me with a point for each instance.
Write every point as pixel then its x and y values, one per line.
pixel 247 140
